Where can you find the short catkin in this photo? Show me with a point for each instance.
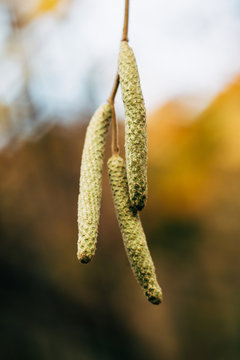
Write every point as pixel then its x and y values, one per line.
pixel 135 126
pixel 90 193
pixel 132 232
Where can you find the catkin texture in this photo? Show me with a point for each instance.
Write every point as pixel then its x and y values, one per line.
pixel 89 199
pixel 133 235
pixel 135 126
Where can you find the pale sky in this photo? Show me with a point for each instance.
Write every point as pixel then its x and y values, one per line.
pixel 182 47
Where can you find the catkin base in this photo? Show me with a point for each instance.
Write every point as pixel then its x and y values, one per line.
pixel 132 232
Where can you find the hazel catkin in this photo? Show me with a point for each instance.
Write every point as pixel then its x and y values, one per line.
pixel 135 126
pixel 132 232
pixel 91 183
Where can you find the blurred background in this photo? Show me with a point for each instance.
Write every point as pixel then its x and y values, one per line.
pixel 58 60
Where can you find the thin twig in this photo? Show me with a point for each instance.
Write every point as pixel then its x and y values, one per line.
pixel 111 100
pixel 114 90
pixel 126 18
pixel 115 148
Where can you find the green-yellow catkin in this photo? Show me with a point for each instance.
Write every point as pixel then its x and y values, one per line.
pixel 135 126
pixel 132 232
pixel 89 199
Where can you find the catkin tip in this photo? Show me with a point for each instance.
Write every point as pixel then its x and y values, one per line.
pixel 154 299
pixel 139 205
pixel 84 258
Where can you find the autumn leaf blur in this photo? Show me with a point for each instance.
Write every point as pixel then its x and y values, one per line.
pixel 186 151
pixel 47 5
pixel 52 307
pixel 24 15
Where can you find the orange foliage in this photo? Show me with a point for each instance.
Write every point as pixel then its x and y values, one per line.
pixel 185 150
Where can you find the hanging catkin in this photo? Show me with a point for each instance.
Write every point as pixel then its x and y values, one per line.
pixel 91 183
pixel 135 126
pixel 132 232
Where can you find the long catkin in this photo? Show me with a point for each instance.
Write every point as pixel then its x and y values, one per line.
pixel 132 232
pixel 91 183
pixel 135 126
